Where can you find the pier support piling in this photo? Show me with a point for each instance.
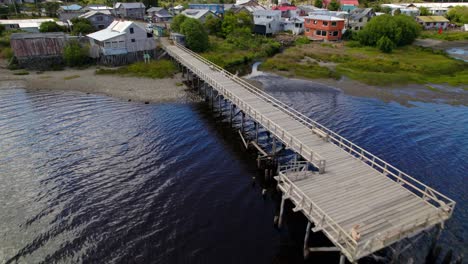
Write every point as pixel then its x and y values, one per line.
pixel 306 239
pixel 342 259
pixel 280 220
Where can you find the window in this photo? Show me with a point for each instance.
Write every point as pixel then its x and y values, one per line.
pixel 325 23
pixel 333 24
pixel 356 28
pixel 268 17
pixel 335 33
pixel 318 33
pixel 269 25
pixel 258 16
pixel 307 30
pixel 324 33
pixel 330 33
pixel 360 20
pixel 133 40
pixel 132 31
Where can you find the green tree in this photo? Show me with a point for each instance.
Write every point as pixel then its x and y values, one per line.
pixel 74 54
pixel 177 22
pixel 458 15
pixel 318 3
pixel 401 30
pixel 213 25
pixel 409 30
pixel 196 36
pixel 81 25
pixel 2 29
pixel 50 26
pixel 334 5
pixel 385 44
pixel 397 12
pixel 51 8
pixel 424 11
pixel 233 21
pixel 386 10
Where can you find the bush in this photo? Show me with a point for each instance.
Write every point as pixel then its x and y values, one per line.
pixel 82 28
pixel 401 30
pixel 75 55
pixel 196 36
pixel 233 21
pixel 458 15
pixel 213 25
pixel 301 41
pixel 2 29
pixel 385 44
pixel 177 22
pixel 50 26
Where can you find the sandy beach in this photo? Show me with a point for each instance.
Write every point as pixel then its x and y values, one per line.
pixel 125 88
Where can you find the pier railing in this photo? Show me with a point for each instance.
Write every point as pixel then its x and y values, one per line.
pixel 431 196
pixel 315 214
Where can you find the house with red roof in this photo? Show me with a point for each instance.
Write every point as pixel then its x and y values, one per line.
pixel 287 10
pixel 325 3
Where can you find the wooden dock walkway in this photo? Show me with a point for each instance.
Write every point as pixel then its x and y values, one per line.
pixel 359 201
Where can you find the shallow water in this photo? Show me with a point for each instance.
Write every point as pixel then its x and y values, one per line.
pixel 92 179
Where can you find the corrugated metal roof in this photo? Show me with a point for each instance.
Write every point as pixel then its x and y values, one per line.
pixel 196 13
pixel 435 19
pixel 267 13
pixel 130 5
pixel 323 17
pixel 92 13
pixel 73 7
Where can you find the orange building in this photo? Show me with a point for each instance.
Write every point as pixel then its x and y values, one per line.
pixel 322 27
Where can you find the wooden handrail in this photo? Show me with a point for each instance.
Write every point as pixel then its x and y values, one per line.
pixel 368 158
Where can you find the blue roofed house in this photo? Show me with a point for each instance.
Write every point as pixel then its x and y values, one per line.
pixel 135 10
pixel 217 9
pixel 68 12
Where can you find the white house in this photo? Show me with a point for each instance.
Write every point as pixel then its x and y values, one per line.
pixel 438 11
pixel 405 9
pixel 294 24
pixel 267 22
pixel 120 37
pixel 199 14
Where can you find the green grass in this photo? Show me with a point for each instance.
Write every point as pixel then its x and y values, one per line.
pixel 446 35
pixel 71 77
pixel 231 57
pixel 404 65
pixel 21 72
pixel 157 69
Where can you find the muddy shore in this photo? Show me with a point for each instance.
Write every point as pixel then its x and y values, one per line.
pixel 125 88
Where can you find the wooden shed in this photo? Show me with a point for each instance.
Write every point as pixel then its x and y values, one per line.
pixel 38 50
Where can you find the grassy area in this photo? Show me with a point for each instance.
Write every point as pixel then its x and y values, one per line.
pixel 405 65
pixel 157 69
pixel 71 77
pixel 229 56
pixel 446 35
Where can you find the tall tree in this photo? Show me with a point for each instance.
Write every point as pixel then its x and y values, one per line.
pixel 177 22
pixel 196 36
pixel 318 3
pixel 423 11
pixel 334 5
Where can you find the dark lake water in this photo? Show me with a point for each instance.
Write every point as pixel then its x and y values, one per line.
pixel 92 179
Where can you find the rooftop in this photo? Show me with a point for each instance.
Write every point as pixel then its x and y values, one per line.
pixel 92 13
pixel 324 17
pixel 115 29
pixel 73 7
pixel 130 5
pixel 432 19
pixel 196 13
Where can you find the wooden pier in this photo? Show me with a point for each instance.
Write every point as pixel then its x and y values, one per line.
pixel 360 202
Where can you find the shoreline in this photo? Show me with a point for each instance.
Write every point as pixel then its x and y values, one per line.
pixel 402 94
pixel 86 81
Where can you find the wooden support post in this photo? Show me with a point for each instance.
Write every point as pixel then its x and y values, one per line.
pixel 242 122
pixel 256 132
pixel 306 239
pixel 220 106
pixel 280 220
pixel 231 114
pixel 342 259
pixel 273 148
pixel 212 98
